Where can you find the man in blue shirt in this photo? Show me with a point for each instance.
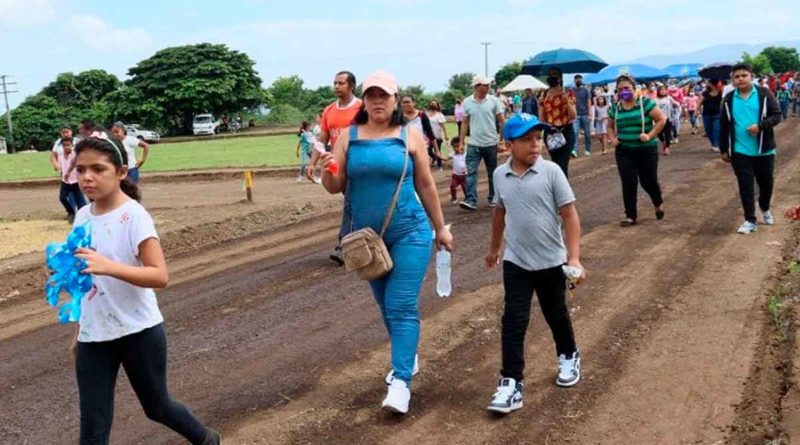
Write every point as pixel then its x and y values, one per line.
pixel 583 104
pixel 747 141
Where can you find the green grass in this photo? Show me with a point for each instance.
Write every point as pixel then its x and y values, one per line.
pixel 266 151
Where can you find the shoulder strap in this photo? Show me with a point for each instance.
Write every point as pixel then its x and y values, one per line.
pixel 388 218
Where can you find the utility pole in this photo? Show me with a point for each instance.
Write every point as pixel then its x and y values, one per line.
pixel 486 58
pixel 5 92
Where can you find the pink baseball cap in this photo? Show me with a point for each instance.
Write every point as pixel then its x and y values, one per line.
pixel 382 80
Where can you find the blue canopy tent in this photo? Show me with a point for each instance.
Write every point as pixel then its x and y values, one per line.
pixel 638 71
pixel 683 70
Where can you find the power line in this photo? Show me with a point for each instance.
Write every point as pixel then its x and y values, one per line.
pixel 5 92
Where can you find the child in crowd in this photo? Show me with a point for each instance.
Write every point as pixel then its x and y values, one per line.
pixel 70 192
pixel 459 178
pixel 304 146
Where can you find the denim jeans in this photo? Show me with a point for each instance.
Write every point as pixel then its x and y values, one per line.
pixel 583 123
pixel 71 198
pixel 711 125
pixel 133 175
pixel 474 156
pixel 397 293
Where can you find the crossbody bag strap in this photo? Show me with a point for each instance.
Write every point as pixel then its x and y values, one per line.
pixel 388 218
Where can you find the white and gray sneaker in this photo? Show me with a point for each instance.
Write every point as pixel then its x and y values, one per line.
pixel 390 375
pixel 508 396
pixel 747 227
pixel 397 398
pixel 768 218
pixel 569 369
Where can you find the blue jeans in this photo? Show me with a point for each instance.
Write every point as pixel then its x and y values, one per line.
pixel 397 295
pixel 785 110
pixel 582 123
pixel 711 125
pixel 474 156
pixel 133 175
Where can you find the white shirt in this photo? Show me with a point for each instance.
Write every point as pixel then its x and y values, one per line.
pixel 130 144
pixel 114 308
pixel 437 120
pixel 459 164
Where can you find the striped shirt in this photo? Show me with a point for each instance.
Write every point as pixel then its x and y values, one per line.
pixel 628 124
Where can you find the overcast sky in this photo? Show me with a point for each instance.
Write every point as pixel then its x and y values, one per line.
pixel 421 41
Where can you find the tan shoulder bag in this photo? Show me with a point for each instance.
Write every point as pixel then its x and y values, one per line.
pixel 364 251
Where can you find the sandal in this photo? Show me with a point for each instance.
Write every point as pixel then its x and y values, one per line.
pixel 627 222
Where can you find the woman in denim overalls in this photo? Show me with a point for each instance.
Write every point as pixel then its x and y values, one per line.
pixel 372 155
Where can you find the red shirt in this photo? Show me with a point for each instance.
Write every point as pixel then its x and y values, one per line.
pixel 335 119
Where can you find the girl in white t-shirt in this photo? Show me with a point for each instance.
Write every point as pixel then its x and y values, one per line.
pixel 600 118
pixel 131 143
pixel 120 321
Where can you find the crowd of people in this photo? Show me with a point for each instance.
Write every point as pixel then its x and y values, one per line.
pixel 380 152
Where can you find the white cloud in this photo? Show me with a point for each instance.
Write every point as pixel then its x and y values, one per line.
pixel 98 34
pixel 24 13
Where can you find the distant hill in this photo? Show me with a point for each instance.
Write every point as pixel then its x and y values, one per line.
pixel 718 53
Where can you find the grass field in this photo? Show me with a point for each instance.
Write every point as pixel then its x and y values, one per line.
pixel 267 151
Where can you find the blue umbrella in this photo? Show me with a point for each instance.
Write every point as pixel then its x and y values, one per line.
pixel 683 70
pixel 638 71
pixel 567 60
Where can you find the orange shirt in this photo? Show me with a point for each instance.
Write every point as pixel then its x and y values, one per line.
pixel 335 119
pixel 555 110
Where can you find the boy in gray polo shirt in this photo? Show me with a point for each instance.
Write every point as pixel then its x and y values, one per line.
pixel 532 197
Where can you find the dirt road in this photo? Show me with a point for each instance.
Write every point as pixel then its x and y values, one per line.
pixel 272 344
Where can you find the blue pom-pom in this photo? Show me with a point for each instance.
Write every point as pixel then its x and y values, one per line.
pixel 67 275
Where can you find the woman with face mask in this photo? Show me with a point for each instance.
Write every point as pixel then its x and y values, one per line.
pixel 558 109
pixel 691 103
pixel 711 104
pixel 633 127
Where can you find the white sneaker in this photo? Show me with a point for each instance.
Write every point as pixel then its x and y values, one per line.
pixel 390 375
pixel 747 227
pixel 317 180
pixel 569 369
pixel 299 179
pixel 768 218
pixel 507 398
pixel 397 398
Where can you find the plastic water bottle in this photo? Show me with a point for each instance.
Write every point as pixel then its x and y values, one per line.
pixel 443 285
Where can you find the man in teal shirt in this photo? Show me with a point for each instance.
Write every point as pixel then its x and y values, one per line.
pixel 747 140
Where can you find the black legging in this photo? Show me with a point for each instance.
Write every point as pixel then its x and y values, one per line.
pixel 638 165
pixel 562 155
pixel 144 356
pixel 436 159
pixel 666 134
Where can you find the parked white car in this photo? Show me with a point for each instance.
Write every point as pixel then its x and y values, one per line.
pixel 204 124
pixel 143 134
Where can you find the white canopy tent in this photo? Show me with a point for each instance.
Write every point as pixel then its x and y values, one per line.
pixel 523 82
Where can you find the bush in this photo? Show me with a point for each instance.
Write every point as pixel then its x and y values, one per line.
pixel 283 115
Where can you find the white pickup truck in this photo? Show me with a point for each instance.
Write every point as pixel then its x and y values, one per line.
pixel 204 124
pixel 140 133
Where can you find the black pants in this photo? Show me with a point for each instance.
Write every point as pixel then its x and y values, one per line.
pixel 436 159
pixel 762 168
pixel 666 134
pixel 638 166
pixel 72 191
pixel 550 286
pixel 561 156
pixel 144 356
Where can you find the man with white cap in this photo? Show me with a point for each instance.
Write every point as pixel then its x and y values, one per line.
pixel 483 120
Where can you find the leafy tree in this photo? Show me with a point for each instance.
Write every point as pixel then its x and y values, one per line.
pixel 81 90
pixel 418 91
pixel 284 114
pixel 782 59
pixel 289 91
pixel 461 82
pixel 760 63
pixel 507 73
pixel 449 100
pixel 186 80
pixel 319 99
pixel 36 122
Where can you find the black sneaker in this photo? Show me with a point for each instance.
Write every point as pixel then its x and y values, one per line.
pixel 336 256
pixel 507 398
pixel 212 438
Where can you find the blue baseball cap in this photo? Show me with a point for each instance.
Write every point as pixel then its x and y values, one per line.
pixel 519 124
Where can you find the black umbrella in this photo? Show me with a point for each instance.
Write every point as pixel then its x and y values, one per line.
pixel 719 71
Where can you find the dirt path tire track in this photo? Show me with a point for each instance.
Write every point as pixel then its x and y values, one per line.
pixel 287 343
